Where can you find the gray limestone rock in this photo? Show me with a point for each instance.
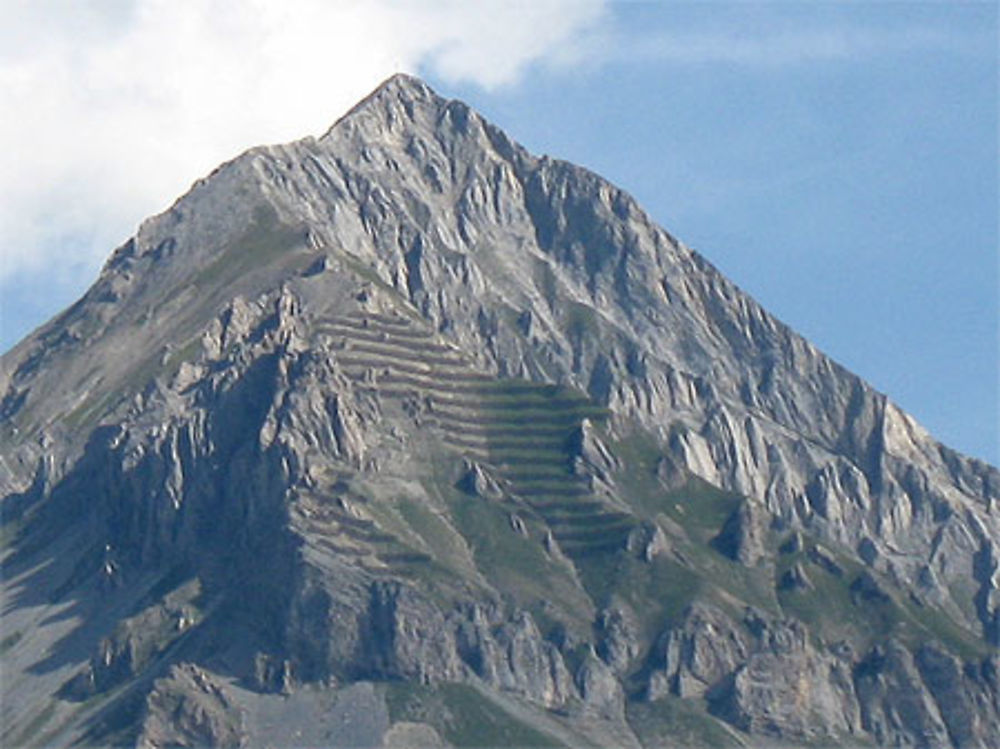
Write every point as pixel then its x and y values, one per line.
pixel 618 642
pixel 190 708
pixel 647 541
pixel 895 706
pixel 512 656
pixel 478 481
pixel 963 694
pixel 787 689
pixel 699 653
pixel 406 637
pixel 795 578
pixel 600 690
pixel 744 536
pixel 138 641
pixel 591 455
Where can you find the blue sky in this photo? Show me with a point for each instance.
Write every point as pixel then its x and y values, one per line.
pixel 837 161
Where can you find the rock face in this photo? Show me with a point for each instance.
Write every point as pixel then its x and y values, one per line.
pixel 743 537
pixel 405 434
pixel 189 708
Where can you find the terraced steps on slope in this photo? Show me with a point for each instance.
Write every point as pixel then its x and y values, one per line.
pixel 362 539
pixel 521 429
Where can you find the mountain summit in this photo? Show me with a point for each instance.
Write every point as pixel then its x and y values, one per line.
pixel 404 436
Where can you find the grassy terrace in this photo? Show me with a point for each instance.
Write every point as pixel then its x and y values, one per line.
pixel 524 432
pixel 373 545
pixel 584 519
pixel 515 411
pixel 380 345
pixel 523 429
pixel 462 715
pixel 413 378
pixel 378 357
pixel 550 488
pixel 506 449
pixel 398 363
pixel 366 335
pixel 541 470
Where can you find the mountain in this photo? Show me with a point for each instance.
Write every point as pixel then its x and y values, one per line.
pixel 403 436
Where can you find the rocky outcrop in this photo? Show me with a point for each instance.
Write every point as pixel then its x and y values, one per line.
pixel 189 708
pixel 477 481
pixel 795 578
pixel 591 455
pixel 697 655
pixel 138 642
pixel 647 541
pixel 744 536
pixel 618 637
pixel 965 694
pixel 405 637
pixel 391 630
pixel 895 708
pixel 600 691
pixel 514 657
pixel 788 689
pixel 400 634
pixel 766 677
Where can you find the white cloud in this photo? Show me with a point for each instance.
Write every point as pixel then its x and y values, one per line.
pixel 727 43
pixel 111 109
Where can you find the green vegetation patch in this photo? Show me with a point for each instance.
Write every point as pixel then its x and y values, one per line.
pixel 91 410
pixel 672 721
pixel 698 506
pixel 658 591
pixel 186 353
pixel 932 623
pixel 834 611
pixel 436 534
pixel 266 238
pixel 517 564
pixel 693 513
pixel 462 715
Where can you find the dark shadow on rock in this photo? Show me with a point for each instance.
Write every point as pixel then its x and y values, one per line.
pixel 105 540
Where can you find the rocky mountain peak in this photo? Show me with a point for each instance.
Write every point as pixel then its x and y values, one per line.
pixel 402 108
pixel 400 89
pixel 437 427
pixel 400 98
